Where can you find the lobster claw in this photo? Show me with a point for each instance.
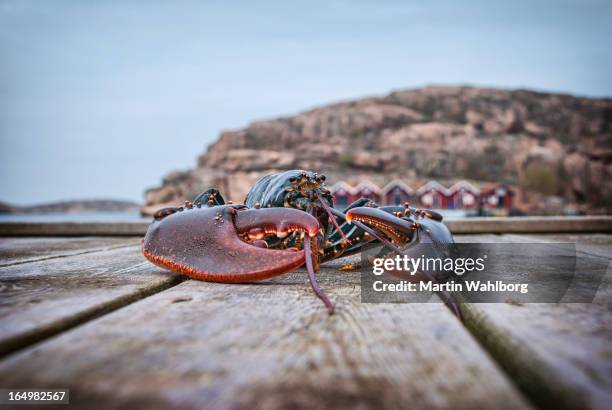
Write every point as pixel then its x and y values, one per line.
pixel 400 229
pixel 409 228
pixel 413 234
pixel 423 235
pixel 208 243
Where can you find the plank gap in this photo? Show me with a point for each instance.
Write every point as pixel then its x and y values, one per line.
pixel 66 255
pixel 25 340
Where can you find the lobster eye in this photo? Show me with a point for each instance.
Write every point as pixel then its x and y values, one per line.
pixel 322 177
pixel 292 179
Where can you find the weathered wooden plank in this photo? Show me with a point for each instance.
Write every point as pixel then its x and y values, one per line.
pixel 590 244
pixel 535 224
pixel 559 354
pixel 588 224
pixel 268 345
pixel 593 261
pixel 42 298
pixel 589 247
pixel 20 250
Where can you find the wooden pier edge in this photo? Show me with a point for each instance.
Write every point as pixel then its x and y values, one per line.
pixel 535 224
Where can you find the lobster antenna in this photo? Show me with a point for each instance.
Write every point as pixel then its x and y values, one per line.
pixel 313 279
pixel 327 209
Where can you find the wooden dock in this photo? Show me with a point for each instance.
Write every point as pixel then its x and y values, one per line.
pixel 80 308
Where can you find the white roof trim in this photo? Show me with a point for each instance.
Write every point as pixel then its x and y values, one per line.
pixel 341 185
pixel 368 185
pixel 398 183
pixel 430 185
pixel 465 185
pixel 433 185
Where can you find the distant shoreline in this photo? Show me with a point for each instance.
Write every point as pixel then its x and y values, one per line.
pixel 76 217
pixel 72 207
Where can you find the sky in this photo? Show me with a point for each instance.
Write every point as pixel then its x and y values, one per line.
pixel 100 99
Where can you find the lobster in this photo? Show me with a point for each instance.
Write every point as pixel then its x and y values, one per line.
pixel 287 221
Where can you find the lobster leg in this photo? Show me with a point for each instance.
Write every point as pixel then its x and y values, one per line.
pixel 210 197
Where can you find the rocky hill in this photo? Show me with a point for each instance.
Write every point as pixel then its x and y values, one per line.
pixel 553 144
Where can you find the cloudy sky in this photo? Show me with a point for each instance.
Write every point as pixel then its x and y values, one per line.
pixel 102 98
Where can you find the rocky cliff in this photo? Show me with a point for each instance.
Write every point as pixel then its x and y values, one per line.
pixel 553 144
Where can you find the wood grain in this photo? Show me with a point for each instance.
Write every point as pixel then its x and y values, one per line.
pixel 42 298
pixel 559 354
pixel 594 257
pixel 268 346
pixel 21 250
pixel 593 278
pixel 532 224
pixel 589 244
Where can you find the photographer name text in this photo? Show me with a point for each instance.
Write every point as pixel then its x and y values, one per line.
pixel 457 266
pixel 470 286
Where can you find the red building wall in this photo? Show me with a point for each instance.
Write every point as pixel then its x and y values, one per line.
pixel 397 196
